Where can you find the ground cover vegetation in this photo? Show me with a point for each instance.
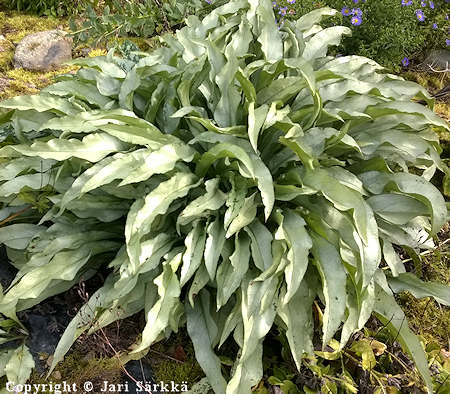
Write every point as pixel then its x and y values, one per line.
pixel 122 18
pixel 392 32
pixel 13 28
pixel 255 135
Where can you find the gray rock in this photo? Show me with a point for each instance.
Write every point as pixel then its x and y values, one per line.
pixel 7 271
pixel 141 372
pixel 43 51
pixel 437 59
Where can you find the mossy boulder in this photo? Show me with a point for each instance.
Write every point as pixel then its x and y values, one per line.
pixel 43 51
pixel 437 59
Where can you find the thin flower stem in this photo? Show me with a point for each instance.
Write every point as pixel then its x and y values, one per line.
pixel 13 216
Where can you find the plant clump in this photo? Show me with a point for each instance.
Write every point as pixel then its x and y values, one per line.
pixel 236 179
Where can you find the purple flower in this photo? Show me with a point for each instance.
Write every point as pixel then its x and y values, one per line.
pixel 420 15
pixel 356 20
pixel 355 1
pixel 346 11
pixel 291 1
pixel 283 11
pixel 431 5
pixel 406 2
pixel 274 4
pixel 357 12
pixel 435 26
pixel 405 62
pixel 447 42
pixel 423 3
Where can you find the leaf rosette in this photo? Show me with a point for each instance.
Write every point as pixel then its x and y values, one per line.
pixel 231 179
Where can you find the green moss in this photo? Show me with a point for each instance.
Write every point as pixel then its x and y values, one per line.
pixel 430 81
pixel 6 55
pixel 14 26
pixel 426 317
pixel 167 368
pixel 76 368
pixel 443 109
pixel 19 81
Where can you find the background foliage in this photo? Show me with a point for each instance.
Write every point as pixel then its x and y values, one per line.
pixel 124 18
pixel 389 31
pixel 46 7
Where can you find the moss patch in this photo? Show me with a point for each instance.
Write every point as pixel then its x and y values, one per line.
pixel 77 368
pixel 15 26
pixel 425 316
pixel 19 81
pixel 174 360
pixel 432 82
pixel 443 109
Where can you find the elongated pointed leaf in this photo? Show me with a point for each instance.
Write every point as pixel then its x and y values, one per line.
pixel 318 45
pixel 419 289
pixel 261 244
pixel 144 211
pixel 213 246
pixel 212 200
pixel 231 272
pixel 202 335
pixel 296 314
pixel 40 104
pixel 300 244
pixel 394 319
pixel 18 236
pixel 333 276
pixel 93 148
pixel 20 365
pixel 256 325
pixel 159 314
pixel 192 257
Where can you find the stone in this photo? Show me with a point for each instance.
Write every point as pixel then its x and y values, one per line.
pixel 43 51
pixel 437 60
pixel 141 372
pixel 7 271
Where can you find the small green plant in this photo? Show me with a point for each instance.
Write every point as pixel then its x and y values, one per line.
pixel 372 360
pixel 47 7
pixel 127 18
pixel 235 179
